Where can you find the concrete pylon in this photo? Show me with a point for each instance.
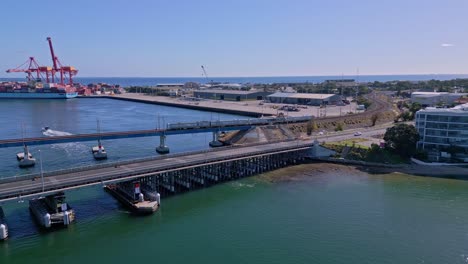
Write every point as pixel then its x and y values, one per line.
pixel 215 143
pixel 162 148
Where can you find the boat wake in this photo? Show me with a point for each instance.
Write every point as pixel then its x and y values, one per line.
pixel 70 148
pixel 54 133
pixel 238 185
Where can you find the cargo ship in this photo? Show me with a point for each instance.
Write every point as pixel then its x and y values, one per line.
pixel 27 91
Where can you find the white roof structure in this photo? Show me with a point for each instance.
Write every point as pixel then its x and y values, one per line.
pixel 462 109
pixel 301 95
pixel 435 94
pixel 220 91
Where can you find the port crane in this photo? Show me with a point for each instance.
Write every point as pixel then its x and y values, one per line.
pixel 33 68
pixel 66 72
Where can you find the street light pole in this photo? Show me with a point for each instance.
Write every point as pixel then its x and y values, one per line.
pixel 42 174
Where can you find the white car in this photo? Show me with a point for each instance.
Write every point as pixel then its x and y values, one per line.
pixel 357 133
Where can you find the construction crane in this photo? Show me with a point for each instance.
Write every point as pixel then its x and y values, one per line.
pixel 206 76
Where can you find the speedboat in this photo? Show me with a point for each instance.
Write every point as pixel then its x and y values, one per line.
pixel 44 129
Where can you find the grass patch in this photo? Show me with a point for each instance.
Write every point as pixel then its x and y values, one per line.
pixel 349 142
pixel 364 153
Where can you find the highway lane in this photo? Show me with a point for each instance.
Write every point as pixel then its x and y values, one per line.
pixel 30 187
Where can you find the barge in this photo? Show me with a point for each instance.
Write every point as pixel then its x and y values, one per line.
pixel 52 210
pixel 143 202
pixel 3 226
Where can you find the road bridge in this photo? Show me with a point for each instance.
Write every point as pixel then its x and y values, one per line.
pixel 32 185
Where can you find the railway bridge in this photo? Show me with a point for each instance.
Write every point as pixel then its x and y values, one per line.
pixel 171 129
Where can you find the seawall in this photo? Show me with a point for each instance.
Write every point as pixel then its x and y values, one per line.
pixel 187 106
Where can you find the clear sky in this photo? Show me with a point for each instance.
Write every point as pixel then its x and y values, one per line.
pixel 172 38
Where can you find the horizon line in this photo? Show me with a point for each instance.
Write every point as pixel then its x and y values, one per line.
pixel 268 76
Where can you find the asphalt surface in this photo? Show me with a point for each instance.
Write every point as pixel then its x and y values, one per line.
pixel 21 187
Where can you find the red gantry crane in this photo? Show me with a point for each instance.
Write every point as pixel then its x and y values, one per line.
pixel 33 70
pixel 66 72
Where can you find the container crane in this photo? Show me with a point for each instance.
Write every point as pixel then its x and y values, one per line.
pixel 66 72
pixel 33 68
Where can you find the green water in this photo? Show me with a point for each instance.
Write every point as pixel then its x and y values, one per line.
pixel 329 217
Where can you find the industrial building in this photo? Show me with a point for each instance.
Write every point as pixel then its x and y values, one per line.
pixel 231 95
pixel 304 98
pixel 442 129
pixel 435 98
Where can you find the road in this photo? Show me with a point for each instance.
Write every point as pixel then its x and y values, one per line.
pixel 32 185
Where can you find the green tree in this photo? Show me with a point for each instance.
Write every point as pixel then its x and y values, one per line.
pixel 339 127
pixel 311 126
pixel 414 107
pixel 374 119
pixel 401 139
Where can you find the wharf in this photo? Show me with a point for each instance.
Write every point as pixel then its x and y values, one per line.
pixel 229 108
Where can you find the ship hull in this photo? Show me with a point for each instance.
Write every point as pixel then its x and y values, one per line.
pixel 37 95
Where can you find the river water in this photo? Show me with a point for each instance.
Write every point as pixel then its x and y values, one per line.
pixel 304 214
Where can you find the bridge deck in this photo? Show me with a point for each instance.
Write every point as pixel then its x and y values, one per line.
pixel 11 189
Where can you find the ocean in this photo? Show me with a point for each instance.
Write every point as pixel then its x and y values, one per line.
pixel 149 81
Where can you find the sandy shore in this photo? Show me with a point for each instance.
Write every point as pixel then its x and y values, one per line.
pixel 299 172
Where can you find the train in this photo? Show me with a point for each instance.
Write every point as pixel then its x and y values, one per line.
pixel 237 122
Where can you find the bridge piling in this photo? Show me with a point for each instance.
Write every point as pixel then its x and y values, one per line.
pixel 162 148
pixel 215 142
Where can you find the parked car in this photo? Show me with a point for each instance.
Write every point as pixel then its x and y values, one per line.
pixel 357 133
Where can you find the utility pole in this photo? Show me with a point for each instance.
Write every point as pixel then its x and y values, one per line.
pixel 42 173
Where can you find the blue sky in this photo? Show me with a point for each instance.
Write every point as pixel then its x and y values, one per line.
pixel 155 38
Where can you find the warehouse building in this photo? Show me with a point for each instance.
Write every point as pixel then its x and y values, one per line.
pixel 231 95
pixel 435 98
pixel 304 98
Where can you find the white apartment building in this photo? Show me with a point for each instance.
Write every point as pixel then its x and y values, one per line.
pixel 441 128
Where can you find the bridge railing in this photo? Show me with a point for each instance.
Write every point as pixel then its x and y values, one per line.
pixel 122 175
pixel 130 161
